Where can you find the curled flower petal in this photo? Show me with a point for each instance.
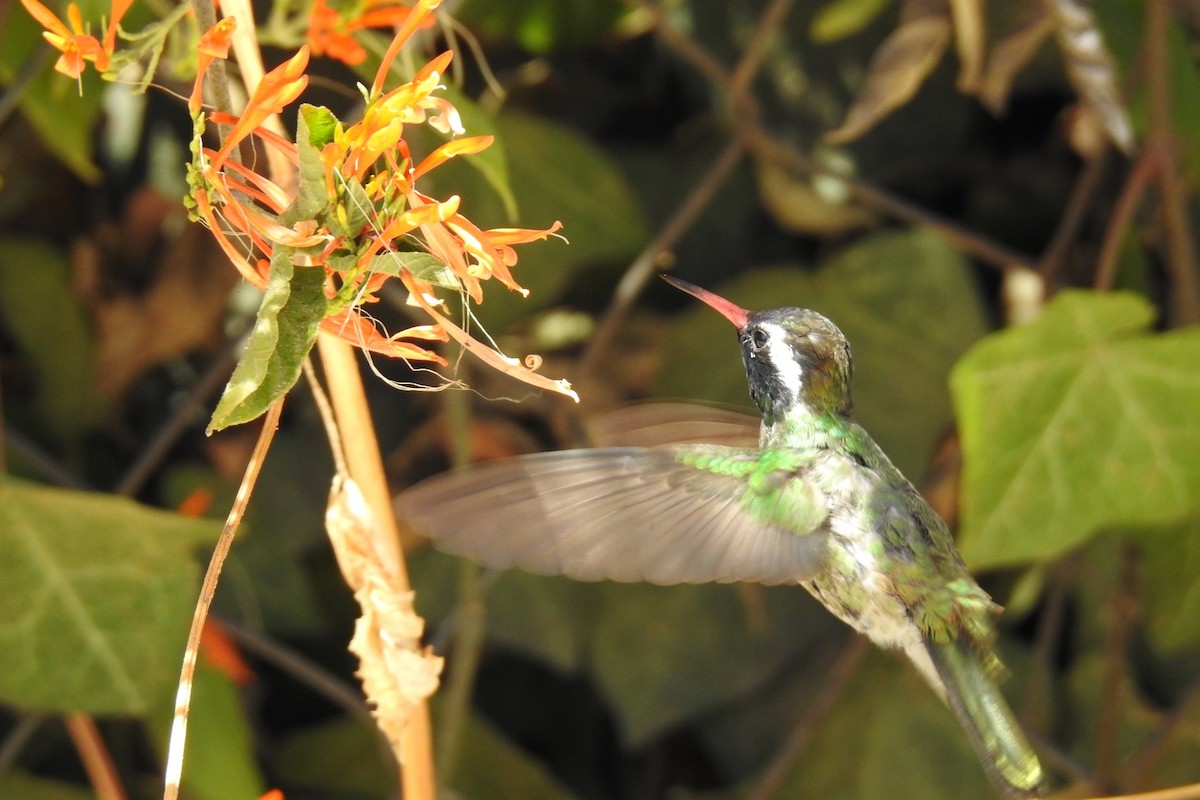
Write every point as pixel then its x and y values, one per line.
pixel 493 358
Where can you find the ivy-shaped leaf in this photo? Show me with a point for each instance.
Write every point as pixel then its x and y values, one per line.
pixel 98 591
pixel 293 306
pixel 1079 421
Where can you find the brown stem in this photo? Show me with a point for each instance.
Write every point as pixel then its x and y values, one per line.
pixel 97 762
pixel 365 465
pixel 980 247
pixel 651 259
pixel 1122 216
pixel 1181 250
pixel 208 590
pixel 1123 613
pixel 1069 225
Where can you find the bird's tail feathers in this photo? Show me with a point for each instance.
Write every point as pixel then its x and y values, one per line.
pixel 970 692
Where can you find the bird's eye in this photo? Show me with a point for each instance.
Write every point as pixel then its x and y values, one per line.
pixel 759 339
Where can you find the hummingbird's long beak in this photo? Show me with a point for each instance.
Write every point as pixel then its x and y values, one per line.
pixel 735 314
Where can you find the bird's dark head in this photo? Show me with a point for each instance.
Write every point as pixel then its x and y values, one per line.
pixel 794 358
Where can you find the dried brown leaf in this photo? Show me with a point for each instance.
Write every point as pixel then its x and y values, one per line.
pixel 797 204
pixel 1012 53
pixel 1091 70
pixel 396 671
pixel 899 66
pixel 969 38
pixel 181 308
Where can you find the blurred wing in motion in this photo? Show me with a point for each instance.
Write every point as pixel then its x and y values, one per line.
pixel 628 514
pixel 660 423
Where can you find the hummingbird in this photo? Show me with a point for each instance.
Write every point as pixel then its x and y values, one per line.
pixel 817 502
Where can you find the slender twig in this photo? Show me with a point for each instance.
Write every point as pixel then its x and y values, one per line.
pixel 840 673
pixel 1122 216
pixel 1122 615
pixel 650 261
pixel 986 250
pixel 1181 258
pixel 1071 222
pixel 208 590
pixel 1189 792
pixel 37 459
pixel 703 61
pixel 1152 750
pixel 185 415
pixel 27 724
pixel 97 763
pixel 344 695
pixel 470 613
pixel 750 63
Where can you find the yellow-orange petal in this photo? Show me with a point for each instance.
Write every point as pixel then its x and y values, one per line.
pixel 119 7
pixel 417 216
pixel 413 21
pixel 236 257
pixel 501 236
pixel 278 88
pixel 351 326
pixel 452 149
pixel 46 18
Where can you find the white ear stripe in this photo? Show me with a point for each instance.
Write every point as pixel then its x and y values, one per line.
pixel 781 359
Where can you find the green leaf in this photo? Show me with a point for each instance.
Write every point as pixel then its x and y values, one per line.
pixel 491 766
pixel 65 118
pixel 315 125
pixel 49 324
pixel 293 306
pixel 29 787
pixel 311 195
pixel 542 26
pixel 220 759
pixel 423 266
pixel 888 737
pixel 907 303
pixel 1079 421
pixel 492 163
pixel 548 617
pixel 342 758
pixel 701 647
pixel 98 595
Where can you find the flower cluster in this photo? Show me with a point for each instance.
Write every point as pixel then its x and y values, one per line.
pixel 352 206
pixel 345 213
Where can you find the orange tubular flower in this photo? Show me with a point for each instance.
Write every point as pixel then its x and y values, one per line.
pixel 214 43
pixel 278 89
pixel 76 45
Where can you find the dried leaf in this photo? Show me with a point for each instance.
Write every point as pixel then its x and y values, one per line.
pixel 1091 70
pixel 899 67
pixel 179 311
pixel 1012 53
pixel 397 672
pixel 969 38
pixel 798 205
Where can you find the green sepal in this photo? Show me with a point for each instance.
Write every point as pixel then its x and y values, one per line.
pixel 293 306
